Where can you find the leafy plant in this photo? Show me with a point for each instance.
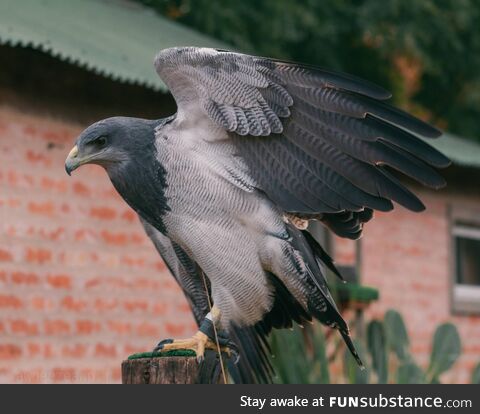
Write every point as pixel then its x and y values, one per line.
pixel 386 356
pixel 396 334
pixel 289 369
pixel 476 375
pixel 311 367
pixel 410 373
pixel 376 342
pixel 353 372
pixel 446 350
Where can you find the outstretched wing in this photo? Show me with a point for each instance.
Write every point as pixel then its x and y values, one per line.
pixel 314 141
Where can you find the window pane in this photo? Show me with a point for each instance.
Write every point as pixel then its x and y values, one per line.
pixel 468 261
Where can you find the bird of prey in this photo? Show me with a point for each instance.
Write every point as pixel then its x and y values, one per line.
pixel 225 188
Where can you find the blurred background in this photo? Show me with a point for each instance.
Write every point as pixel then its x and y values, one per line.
pixel 81 287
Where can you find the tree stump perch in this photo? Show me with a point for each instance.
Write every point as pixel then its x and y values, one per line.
pixel 151 368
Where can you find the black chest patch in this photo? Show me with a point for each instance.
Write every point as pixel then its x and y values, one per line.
pixel 142 183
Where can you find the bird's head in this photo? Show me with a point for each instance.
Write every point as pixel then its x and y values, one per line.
pixel 110 142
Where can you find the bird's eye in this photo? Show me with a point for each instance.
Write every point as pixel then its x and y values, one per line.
pixel 100 142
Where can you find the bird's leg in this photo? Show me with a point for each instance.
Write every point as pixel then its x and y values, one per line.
pixel 203 339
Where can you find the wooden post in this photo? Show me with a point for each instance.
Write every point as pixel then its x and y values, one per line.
pixel 172 370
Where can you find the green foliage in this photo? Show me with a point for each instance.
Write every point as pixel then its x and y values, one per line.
pixel 356 292
pixel 445 350
pixel 410 373
pixel 396 334
pixel 386 357
pixel 377 346
pixel 476 375
pixel 312 367
pixel 320 372
pixel 353 372
pixel 290 370
pixel 426 52
pixel 176 352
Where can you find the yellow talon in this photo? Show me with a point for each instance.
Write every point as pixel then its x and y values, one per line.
pixel 197 343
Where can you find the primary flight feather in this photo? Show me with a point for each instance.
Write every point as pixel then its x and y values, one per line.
pixel 225 188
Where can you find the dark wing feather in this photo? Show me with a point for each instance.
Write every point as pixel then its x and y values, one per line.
pixel 315 141
pixel 183 269
pixel 320 302
pixel 348 224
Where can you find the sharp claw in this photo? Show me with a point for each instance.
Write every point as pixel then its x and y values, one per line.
pixel 160 345
pixel 225 342
pixel 200 358
pixel 233 351
pixel 235 355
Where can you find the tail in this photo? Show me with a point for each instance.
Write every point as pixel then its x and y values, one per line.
pixel 320 302
pixel 351 347
pixel 321 254
pixel 253 365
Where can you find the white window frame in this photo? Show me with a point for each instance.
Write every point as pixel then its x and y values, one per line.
pixel 465 298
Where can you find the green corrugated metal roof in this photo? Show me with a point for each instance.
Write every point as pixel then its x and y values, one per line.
pixel 119 39
pixel 115 38
pixel 461 151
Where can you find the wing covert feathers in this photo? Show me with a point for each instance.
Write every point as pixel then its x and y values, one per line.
pixel 315 141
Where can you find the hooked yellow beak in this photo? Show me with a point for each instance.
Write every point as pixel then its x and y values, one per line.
pixel 72 162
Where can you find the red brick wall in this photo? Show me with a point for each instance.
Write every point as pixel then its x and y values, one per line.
pixel 81 287
pixel 407 257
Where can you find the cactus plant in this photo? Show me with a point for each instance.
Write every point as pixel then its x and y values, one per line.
pixel 410 373
pixel 446 348
pixel 320 360
pixel 293 362
pixel 290 369
pixel 445 351
pixel 387 350
pixel 396 334
pixel 376 342
pixel 353 372
pixel 476 375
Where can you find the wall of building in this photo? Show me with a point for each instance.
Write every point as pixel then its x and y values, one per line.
pixel 81 287
pixel 407 256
